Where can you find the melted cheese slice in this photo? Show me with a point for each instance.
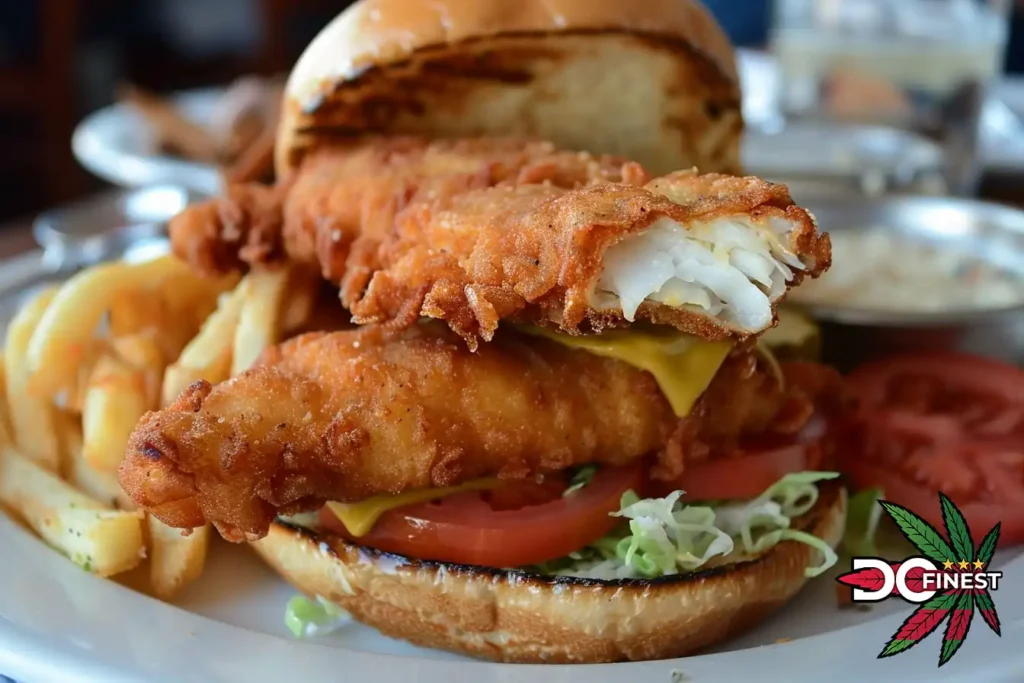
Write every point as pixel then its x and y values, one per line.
pixel 360 517
pixel 682 365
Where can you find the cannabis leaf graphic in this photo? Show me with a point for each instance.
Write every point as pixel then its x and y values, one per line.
pixel 957 529
pixel 923 535
pixel 958 626
pixel 983 599
pixel 922 622
pixel 988 544
pixel 957 607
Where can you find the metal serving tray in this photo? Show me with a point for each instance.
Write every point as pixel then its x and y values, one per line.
pixel 991 232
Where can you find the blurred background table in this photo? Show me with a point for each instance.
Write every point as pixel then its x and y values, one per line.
pixel 15 237
pixel 61 59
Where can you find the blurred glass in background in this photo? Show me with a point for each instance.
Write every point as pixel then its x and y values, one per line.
pixel 918 65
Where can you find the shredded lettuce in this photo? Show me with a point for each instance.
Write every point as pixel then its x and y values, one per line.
pixel 306 618
pixel 863 514
pixel 580 479
pixel 665 536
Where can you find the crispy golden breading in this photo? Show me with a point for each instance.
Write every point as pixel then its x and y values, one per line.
pixel 476 231
pixel 343 416
pixel 345 192
pixel 225 234
pixel 535 253
pixel 347 415
pixel 348 189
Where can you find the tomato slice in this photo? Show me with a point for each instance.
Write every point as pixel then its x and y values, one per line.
pixel 984 397
pixel 466 528
pixel 980 515
pixel 748 471
pixel 942 422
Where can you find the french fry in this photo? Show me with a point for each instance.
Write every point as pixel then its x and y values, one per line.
pixel 59 342
pixel 32 417
pixel 208 355
pixel 303 288
pixel 103 486
pixel 5 415
pixel 259 324
pixel 133 311
pixel 177 309
pixel 117 397
pixel 191 299
pixel 175 560
pixel 144 352
pixel 75 394
pixel 105 381
pixel 100 540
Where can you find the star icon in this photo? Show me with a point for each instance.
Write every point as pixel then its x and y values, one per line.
pixel 947 565
pixel 964 564
pixel 978 564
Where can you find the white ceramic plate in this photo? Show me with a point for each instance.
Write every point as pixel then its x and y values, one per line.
pixel 117 145
pixel 58 623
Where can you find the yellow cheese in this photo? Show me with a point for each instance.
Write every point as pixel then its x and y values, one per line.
pixel 360 517
pixel 682 365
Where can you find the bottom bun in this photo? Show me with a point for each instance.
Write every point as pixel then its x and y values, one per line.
pixel 513 616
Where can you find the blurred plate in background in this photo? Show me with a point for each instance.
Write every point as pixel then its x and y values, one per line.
pixel 107 225
pixel 117 145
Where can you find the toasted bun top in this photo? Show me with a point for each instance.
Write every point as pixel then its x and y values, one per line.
pixel 379 32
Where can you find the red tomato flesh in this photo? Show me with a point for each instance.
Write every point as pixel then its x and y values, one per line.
pixel 942 422
pixel 525 525
pixel 752 468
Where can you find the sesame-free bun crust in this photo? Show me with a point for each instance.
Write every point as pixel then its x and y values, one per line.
pixel 651 80
pixel 516 617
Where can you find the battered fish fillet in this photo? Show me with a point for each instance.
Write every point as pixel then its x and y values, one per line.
pixel 224 234
pixel 349 189
pixel 346 415
pixel 707 254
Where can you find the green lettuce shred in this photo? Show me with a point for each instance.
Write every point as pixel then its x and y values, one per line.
pixel 863 513
pixel 580 479
pixel 306 618
pixel 665 536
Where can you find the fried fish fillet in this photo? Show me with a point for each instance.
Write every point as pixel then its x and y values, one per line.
pixel 239 228
pixel 707 254
pixel 345 190
pixel 347 415
pixel 479 230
